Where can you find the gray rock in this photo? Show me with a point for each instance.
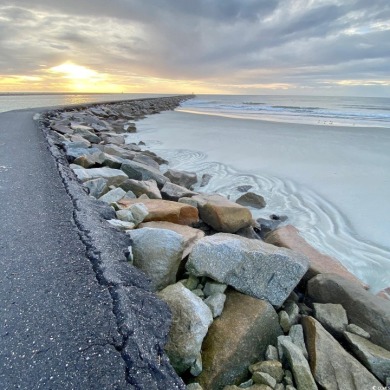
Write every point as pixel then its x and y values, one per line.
pixel 129 195
pixel 284 321
pixel 74 152
pixel 86 160
pixel 196 367
pixel 116 139
pixel 246 384
pixel 352 328
pixel 115 150
pixel 299 365
pixel 271 353
pixel 332 316
pixel 206 177
pixel 96 187
pixel 263 378
pixel 297 337
pixel 191 319
pixel 181 178
pixel 111 161
pixel 331 365
pixel 279 386
pixel 121 225
pixel 292 309
pixel 87 134
pixel 363 309
pixel 189 201
pixel 270 367
pixel 250 266
pixel 281 353
pixel 139 171
pixel 244 188
pixel 113 196
pixel 194 386
pixel 250 199
pixel 139 187
pixel 158 253
pixel 76 142
pixel 172 191
pixel 144 159
pixel 198 292
pixel 113 176
pixel 288 378
pixel 290 387
pixel 192 282
pixel 374 357
pixel 125 215
pixel 212 287
pixel 216 303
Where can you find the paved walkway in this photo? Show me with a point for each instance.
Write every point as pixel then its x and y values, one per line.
pixel 57 328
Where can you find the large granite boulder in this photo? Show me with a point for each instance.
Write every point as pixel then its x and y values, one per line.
pixel 251 266
pixel 118 151
pixel 113 195
pixel 172 191
pixel 374 357
pixel 190 235
pixel 222 214
pixel 237 339
pixel 147 160
pixel 86 133
pixel 165 210
pixel 332 317
pixel 289 237
pixel 113 176
pixel 139 187
pixel 182 178
pixel 368 311
pixel 73 152
pixel 332 367
pixel 96 187
pixel 158 253
pixel 139 171
pixel 191 319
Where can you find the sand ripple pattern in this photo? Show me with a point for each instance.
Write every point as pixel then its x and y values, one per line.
pixel 320 223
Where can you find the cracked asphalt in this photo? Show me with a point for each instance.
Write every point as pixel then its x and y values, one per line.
pixel 57 327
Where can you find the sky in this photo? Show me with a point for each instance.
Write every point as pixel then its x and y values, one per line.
pixel 314 47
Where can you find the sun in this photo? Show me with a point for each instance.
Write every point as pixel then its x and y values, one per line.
pixel 75 72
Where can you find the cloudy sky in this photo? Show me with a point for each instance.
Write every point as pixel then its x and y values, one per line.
pixel 331 47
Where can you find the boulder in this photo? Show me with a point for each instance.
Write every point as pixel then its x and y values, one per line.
pixel 139 187
pixel 250 266
pixel 121 225
pixel 352 328
pixel 332 317
pixel 181 178
pixel 236 339
pixel 299 365
pixel 115 150
pixel 297 337
pixel 222 214
pixel 113 196
pixel 86 160
pixel 111 138
pixel 172 191
pixel 368 311
pixel 263 378
pixel 374 357
pixel 165 210
pixel 74 152
pixel 139 171
pixel 158 253
pixel 190 235
pixel 212 287
pixel 96 187
pixel 206 177
pixel 289 237
pixel 111 161
pixel 331 366
pixel 87 134
pixel 250 199
pixel 144 159
pixel 113 176
pixel 191 319
pixel 139 212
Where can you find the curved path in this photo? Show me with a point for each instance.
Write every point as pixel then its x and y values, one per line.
pixel 58 329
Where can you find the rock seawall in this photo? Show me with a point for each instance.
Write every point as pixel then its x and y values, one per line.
pixel 235 311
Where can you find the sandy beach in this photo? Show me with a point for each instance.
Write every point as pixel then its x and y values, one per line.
pixel 332 182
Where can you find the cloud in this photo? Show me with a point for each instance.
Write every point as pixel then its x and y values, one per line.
pixel 215 43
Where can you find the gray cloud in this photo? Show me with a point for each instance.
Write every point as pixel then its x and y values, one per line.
pixel 218 42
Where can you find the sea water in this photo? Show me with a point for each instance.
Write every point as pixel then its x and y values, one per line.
pixel 324 162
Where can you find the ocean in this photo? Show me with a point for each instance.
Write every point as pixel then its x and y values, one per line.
pixel 324 162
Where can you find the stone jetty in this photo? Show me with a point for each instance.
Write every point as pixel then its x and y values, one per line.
pixel 252 304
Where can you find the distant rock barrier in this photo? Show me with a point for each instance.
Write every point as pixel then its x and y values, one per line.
pixel 205 296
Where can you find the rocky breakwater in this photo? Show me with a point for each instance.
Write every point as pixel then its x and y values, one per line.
pixel 252 304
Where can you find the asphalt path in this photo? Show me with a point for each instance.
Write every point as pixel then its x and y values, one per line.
pixel 57 325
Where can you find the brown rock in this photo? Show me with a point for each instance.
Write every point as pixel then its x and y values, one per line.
pixel 237 339
pixel 333 368
pixel 165 210
pixel 190 235
pixel 363 309
pixel 289 237
pixel 222 214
